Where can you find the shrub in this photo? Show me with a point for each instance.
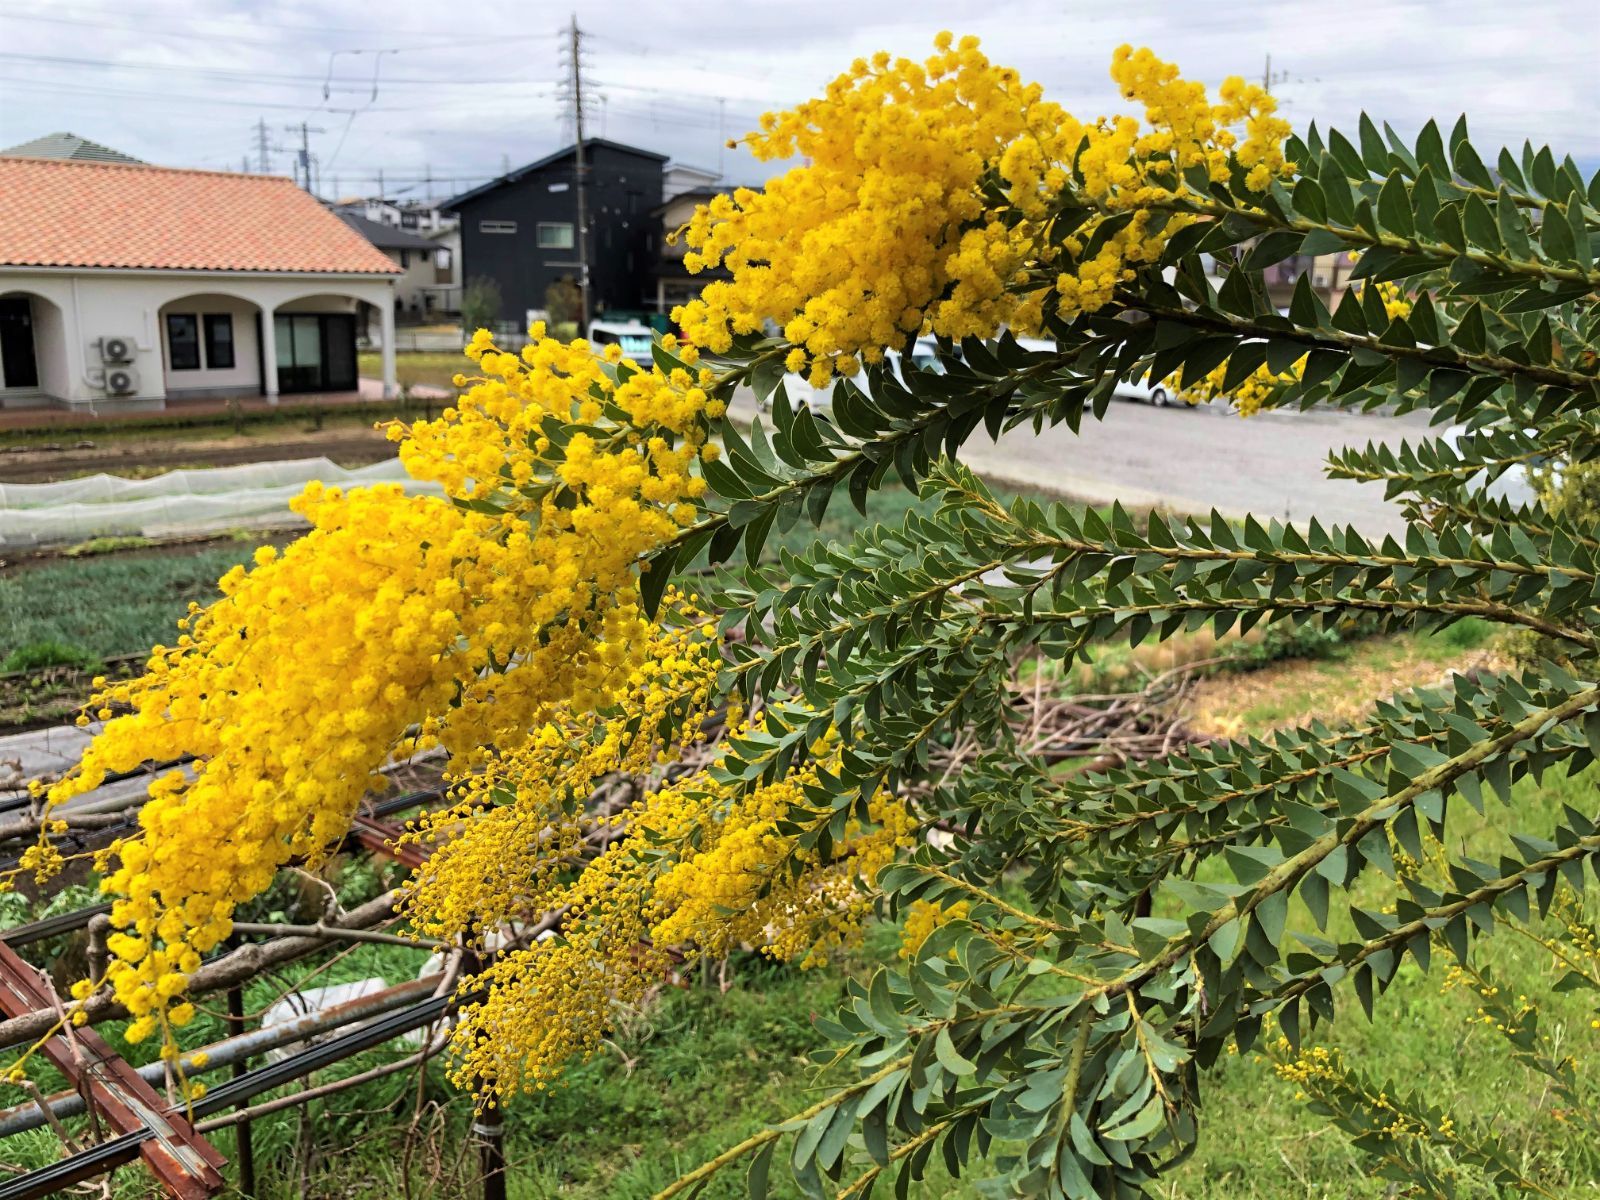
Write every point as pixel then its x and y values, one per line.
pixel 1170 910
pixel 480 304
pixel 36 655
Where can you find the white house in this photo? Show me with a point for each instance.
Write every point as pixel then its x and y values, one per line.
pixel 425 266
pixel 125 285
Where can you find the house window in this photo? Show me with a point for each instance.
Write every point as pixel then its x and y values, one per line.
pixel 555 235
pixel 183 341
pixel 405 260
pixel 497 226
pixel 219 341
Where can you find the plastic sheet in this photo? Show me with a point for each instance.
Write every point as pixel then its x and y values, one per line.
pixel 176 503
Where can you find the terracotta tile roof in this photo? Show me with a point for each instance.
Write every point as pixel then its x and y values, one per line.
pixel 61 213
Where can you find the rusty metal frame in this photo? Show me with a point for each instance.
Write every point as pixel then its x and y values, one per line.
pixel 185 1163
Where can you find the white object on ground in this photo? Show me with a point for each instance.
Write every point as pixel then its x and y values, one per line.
pixel 298 1004
pixel 176 502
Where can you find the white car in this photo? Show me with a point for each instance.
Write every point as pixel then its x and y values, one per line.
pixel 1139 389
pixel 1142 389
pixel 924 357
pixel 1513 485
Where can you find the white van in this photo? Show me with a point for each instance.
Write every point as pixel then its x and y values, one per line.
pixel 634 338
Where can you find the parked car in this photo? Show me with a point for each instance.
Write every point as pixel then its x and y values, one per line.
pixel 633 337
pixel 1139 389
pixel 924 357
pixel 1513 485
pixel 1142 389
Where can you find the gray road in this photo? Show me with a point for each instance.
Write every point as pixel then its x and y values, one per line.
pixel 1195 459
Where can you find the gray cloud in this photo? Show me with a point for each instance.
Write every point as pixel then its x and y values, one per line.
pixel 465 88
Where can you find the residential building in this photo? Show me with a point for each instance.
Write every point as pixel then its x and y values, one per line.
pixel 67 145
pixel 414 215
pixel 679 178
pixel 520 230
pixel 420 260
pixel 672 283
pixel 123 286
pixel 1330 276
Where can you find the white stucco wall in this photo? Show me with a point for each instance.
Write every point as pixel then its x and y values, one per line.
pixel 96 304
pixel 418 273
pixel 244 377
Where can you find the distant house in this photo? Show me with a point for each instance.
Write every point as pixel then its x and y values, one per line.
pixel 419 259
pixel 123 286
pixel 68 145
pixel 673 284
pixel 679 178
pixel 413 215
pixel 441 294
pixel 1330 277
pixel 520 230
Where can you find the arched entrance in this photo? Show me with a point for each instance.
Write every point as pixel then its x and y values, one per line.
pixel 316 340
pixel 33 349
pixel 211 344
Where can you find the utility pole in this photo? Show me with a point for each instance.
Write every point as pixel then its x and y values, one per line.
pixel 381 192
pixel 303 175
pixel 1266 75
pixel 263 148
pixel 580 182
pixel 722 130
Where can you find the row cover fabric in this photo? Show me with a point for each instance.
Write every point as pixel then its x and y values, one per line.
pixel 176 503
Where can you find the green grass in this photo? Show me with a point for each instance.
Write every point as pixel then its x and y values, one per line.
pixel 110 604
pixel 432 368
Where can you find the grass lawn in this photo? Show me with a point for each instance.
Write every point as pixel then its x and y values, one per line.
pixel 112 603
pixel 435 368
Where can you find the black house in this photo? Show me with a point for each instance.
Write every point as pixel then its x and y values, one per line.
pixel 520 230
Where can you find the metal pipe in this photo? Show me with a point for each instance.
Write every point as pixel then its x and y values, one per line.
pixel 234 967
pixel 236 1050
pixel 242 1138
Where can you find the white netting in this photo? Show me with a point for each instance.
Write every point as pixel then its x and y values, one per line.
pixel 175 503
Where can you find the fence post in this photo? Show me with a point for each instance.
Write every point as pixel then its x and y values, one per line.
pixel 243 1141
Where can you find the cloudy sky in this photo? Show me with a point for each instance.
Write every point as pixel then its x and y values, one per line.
pixel 442 96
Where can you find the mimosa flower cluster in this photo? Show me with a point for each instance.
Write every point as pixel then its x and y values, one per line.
pixel 705 868
pixel 397 622
pixel 931 197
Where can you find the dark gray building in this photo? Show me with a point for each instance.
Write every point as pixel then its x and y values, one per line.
pixel 520 230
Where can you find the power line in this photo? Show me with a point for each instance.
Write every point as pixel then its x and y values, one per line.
pixel 443 40
pixel 267 77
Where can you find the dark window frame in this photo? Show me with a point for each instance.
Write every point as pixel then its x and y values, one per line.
pixel 570 232
pixel 190 343
pixel 219 349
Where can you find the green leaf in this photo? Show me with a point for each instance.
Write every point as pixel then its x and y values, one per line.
pixel 1314 891
pixel 1480 224
pixel 949 1057
pixel 1147 1121
pixel 1374 154
pixel 1555 236
pixel 1430 149
pixel 1470 167
pixel 1394 206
